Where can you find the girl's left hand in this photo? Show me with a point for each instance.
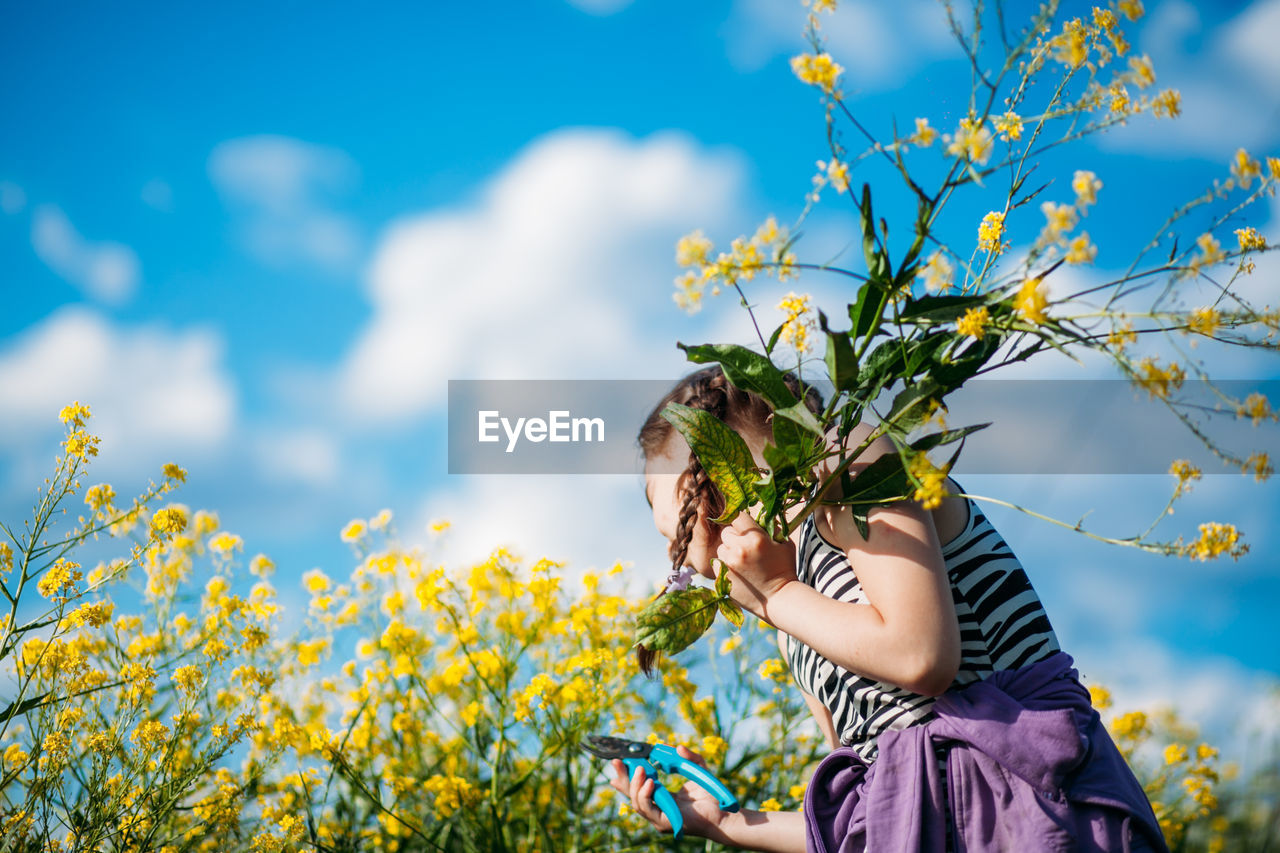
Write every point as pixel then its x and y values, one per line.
pixel 758 566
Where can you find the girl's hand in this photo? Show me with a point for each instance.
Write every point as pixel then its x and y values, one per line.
pixel 758 566
pixel 701 812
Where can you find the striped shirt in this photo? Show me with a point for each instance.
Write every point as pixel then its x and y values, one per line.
pixel 1002 626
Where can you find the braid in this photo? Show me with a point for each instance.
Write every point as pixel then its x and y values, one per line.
pixel 707 389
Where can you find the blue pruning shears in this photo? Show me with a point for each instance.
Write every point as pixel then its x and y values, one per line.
pixel 637 754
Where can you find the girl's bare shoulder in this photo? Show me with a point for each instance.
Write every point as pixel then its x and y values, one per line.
pixel 877 448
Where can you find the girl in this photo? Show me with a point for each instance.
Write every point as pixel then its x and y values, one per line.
pixel 955 721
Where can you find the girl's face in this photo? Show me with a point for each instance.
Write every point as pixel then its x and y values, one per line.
pixel 661 476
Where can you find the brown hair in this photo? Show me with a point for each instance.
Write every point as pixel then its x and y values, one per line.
pixel 708 389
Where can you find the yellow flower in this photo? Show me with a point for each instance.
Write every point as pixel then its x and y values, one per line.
pixel 1186 474
pixel 150 735
pixel 1167 103
pixel 771 805
pixel 1260 464
pixel 61 577
pixel 817 70
pixel 796 326
pixel 837 174
pixel 1255 406
pixel 1130 725
pixel 974 322
pixel 81 445
pixel 1132 9
pixel 1175 753
pixel 1081 251
pixel 15 756
pixel 1100 697
pixel 1144 73
pixel 1210 252
pixel 1032 299
pixel 1244 168
pixel 990 232
pixel 1204 321
pixel 224 543
pixel 972 140
pixel 316 581
pixel 93 614
pixel 261 566
pixel 1120 103
pixel 1159 381
pixel 188 678
pixel 99 497
pixel 1071 47
pixel 1060 218
pixel 354 530
pixel 932 481
pixel 924 135
pixel 1009 126
pixel 1216 539
pixel 173 472
pixel 169 521
pixel 693 249
pixel 438 526
pixel 1086 186
pixel 76 414
pixel 1250 239
pixel 937 273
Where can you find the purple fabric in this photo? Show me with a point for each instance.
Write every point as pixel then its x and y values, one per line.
pixel 1029 767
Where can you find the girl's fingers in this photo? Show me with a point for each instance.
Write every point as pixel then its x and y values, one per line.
pixel 685 752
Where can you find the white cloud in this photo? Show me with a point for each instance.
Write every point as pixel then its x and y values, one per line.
pixel 152 390
pixel 878 44
pixel 1229 80
pixel 12 198
pixel 283 192
pixel 551 274
pixel 306 456
pixel 589 523
pixel 1147 675
pixel 600 7
pixel 105 270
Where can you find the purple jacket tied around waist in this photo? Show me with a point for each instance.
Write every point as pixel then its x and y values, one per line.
pixel 1029 768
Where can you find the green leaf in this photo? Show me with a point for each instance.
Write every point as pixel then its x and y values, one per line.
pixel 732 612
pixel 723 584
pixel 722 452
pixel 751 371
pixel 939 308
pixel 842 363
pixel 912 404
pixel 877 263
pixel 672 622
pixel 882 481
pixel 945 436
pixel 16 709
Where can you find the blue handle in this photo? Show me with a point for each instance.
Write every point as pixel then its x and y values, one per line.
pixel 661 796
pixel 669 760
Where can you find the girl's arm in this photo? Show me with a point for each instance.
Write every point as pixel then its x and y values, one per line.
pixel 821 713
pixel 907 634
pixel 772 832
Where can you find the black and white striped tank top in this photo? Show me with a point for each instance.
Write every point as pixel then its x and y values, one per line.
pixel 1002 626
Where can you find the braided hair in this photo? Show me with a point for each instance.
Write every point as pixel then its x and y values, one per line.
pixel 710 390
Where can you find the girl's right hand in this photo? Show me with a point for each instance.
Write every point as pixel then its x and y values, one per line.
pixel 702 813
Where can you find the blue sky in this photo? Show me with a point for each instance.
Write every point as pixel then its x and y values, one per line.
pixel 259 239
